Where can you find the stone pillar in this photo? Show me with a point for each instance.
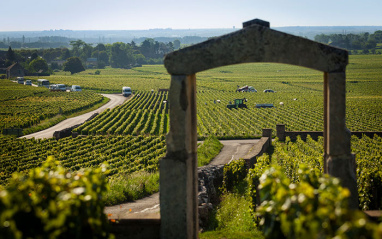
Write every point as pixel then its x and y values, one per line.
pixel 178 170
pixel 280 132
pixel 340 162
pixel 267 133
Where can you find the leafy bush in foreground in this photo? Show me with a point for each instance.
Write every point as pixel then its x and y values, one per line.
pixel 316 207
pixel 53 202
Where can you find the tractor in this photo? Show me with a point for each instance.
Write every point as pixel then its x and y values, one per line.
pixel 238 103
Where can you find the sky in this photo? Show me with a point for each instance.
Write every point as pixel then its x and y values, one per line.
pixel 36 15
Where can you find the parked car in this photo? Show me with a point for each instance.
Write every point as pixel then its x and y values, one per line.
pixel 53 87
pixel 57 87
pixel 20 80
pixel 61 87
pixel 75 88
pixel 126 91
pixel 28 82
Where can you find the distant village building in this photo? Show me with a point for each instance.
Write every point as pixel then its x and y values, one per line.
pixel 15 70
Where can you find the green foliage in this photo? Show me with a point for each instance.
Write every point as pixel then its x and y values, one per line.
pixel 10 56
pixel 97 72
pixel 74 65
pixel 52 202
pixel 24 106
pixel 130 187
pixel 38 64
pixel 144 114
pixel 234 174
pixel 121 55
pixel 124 154
pixel 233 214
pixel 253 180
pixel 254 234
pixel 208 150
pixel 369 173
pixel 289 155
pixel 316 207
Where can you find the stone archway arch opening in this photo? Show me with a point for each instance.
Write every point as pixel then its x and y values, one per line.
pixel 256 42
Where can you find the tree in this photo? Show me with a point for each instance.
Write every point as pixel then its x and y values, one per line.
pixel 76 47
pixel 38 64
pixel 176 44
pixel 100 47
pixel 121 55
pixel 10 56
pixel 74 65
pixel 147 48
pixel 65 54
pixel 34 56
pixel 140 59
pixel 103 56
pixel 86 51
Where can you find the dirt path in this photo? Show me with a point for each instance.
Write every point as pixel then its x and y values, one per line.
pixel 232 150
pixel 115 100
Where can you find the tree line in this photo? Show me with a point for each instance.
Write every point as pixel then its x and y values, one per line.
pixel 115 55
pixel 364 42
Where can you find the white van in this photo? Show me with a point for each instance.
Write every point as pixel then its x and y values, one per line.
pixel 43 83
pixel 126 91
pixel 75 88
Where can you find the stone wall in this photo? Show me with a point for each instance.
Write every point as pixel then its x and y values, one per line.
pixel 68 131
pixel 210 178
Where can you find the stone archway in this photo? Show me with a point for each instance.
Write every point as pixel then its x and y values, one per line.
pixel 256 42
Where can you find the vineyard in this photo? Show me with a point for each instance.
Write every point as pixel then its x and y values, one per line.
pixel 298 101
pixel 130 137
pixel 124 154
pixel 24 106
pixel 289 155
pixel 146 114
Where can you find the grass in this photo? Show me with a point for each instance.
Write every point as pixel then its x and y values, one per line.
pixel 208 150
pixel 130 187
pixel 232 220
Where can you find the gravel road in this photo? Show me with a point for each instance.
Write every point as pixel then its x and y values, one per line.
pixel 115 99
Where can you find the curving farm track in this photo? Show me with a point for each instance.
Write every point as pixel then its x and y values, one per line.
pixel 115 100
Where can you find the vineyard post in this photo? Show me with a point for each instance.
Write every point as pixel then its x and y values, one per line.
pixel 178 170
pixel 338 161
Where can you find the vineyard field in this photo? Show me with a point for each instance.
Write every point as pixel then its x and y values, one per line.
pixel 289 155
pixel 24 106
pixel 146 113
pixel 298 101
pixel 144 119
pixel 124 154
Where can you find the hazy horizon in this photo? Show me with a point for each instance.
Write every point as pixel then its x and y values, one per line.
pixel 184 29
pixel 86 15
